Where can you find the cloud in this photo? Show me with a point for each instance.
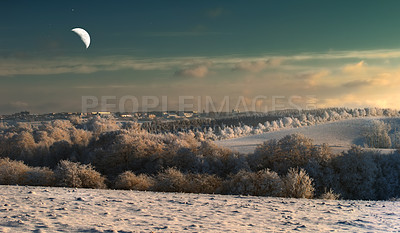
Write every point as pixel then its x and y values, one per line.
pixel 385 79
pixel 388 100
pixel 256 66
pixel 312 79
pixel 354 68
pixel 357 54
pixel 197 72
pixel 31 65
pixel 19 104
pixel 64 65
pixel 357 84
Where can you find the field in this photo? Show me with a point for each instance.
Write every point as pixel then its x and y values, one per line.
pixel 339 135
pixel 42 209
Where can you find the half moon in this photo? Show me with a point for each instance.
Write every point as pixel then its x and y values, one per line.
pixel 84 35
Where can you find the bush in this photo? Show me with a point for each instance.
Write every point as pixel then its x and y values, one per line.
pixel 40 176
pixel 356 173
pixel 16 172
pixel 12 172
pixel 203 183
pixel 387 182
pixel 323 173
pixel 70 174
pixel 171 180
pixel 330 195
pixel 297 184
pixel 293 150
pixel 261 183
pixel 119 151
pixel 128 180
pixel 220 161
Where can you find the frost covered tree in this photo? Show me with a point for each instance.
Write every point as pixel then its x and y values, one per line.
pixel 377 135
pixel 70 174
pixel 395 139
pixel 293 150
pixel 261 183
pixel 298 184
pixel 356 173
pixel 128 180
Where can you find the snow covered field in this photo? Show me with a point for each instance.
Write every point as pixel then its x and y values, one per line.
pixel 42 209
pixel 340 135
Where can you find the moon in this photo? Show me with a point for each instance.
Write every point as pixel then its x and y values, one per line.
pixel 84 35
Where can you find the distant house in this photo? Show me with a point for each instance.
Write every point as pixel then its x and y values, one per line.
pixel 173 116
pixel 126 115
pixel 20 114
pixel 104 114
pixel 188 114
pixel 235 111
pixel 101 113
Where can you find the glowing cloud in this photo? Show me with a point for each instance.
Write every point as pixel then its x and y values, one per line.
pixel 354 68
pixel 197 72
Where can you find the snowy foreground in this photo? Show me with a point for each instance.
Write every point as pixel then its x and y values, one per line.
pixel 340 135
pixel 43 209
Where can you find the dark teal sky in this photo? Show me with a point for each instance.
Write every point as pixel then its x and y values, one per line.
pixel 176 47
pixel 193 28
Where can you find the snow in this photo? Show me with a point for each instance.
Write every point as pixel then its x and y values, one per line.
pixel 44 209
pixel 340 135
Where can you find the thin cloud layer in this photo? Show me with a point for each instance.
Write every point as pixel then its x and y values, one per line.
pixel 357 84
pixel 354 68
pixel 343 79
pixel 11 66
pixel 62 65
pixel 312 79
pixel 256 66
pixel 197 72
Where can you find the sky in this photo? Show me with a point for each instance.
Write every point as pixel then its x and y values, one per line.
pixel 264 54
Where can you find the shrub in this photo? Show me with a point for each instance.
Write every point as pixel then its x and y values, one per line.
pixel 330 195
pixel 91 178
pixel 261 183
pixel 128 180
pixel 220 161
pixel 388 176
pixel 356 174
pixel 171 180
pixel 322 171
pixel 297 184
pixel 16 172
pixel 12 172
pixel 119 151
pixel 40 176
pixel 294 150
pixel 70 174
pixel 203 183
